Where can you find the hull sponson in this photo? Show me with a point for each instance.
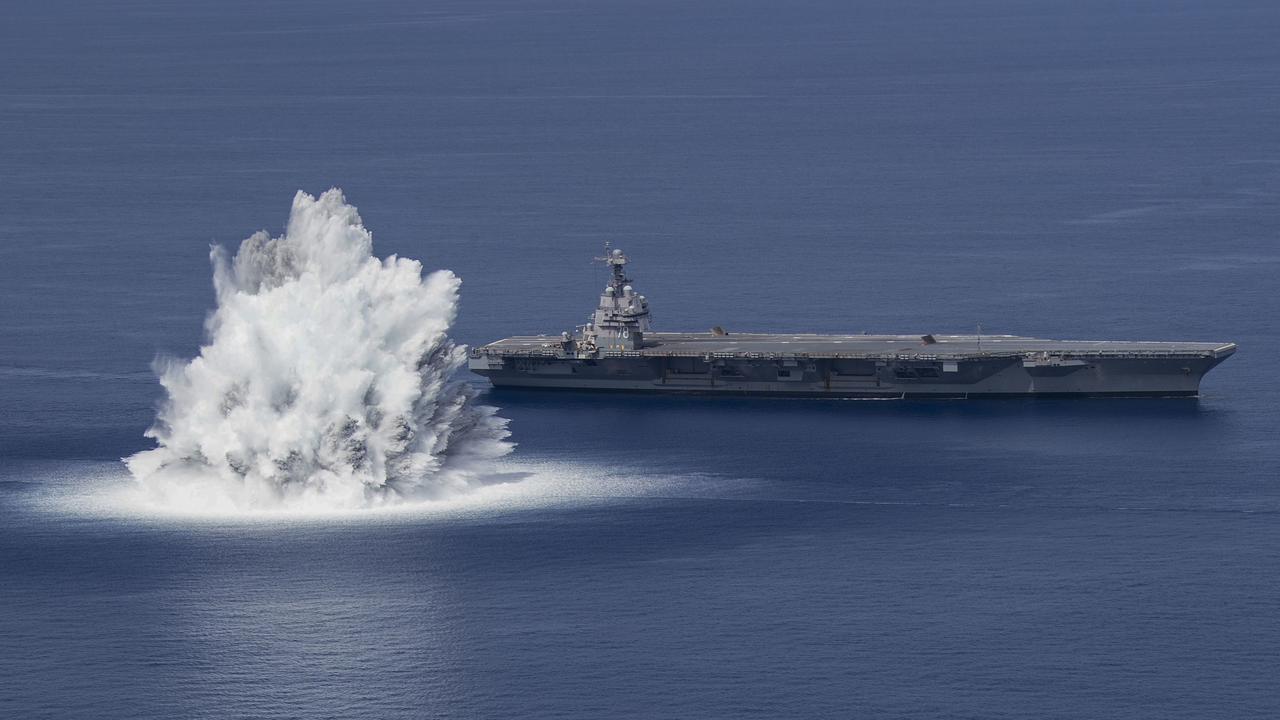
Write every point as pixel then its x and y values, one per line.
pixel 886 366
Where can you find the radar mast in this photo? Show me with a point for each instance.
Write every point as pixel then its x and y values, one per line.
pixel 621 318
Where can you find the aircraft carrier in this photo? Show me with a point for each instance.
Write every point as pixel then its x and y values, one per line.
pixel 617 351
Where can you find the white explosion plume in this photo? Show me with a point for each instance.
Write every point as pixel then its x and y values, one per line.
pixel 326 380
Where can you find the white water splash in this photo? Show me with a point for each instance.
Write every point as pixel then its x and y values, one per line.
pixel 326 380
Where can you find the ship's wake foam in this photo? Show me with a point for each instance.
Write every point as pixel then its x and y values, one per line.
pixel 326 380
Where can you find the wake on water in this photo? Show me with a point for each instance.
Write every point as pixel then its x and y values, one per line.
pixel 326 380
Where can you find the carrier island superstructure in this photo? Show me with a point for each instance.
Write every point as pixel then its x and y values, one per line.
pixel 618 351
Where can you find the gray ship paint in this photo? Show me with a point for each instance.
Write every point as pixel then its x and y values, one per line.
pixel 617 351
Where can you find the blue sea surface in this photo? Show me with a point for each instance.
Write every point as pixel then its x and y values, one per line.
pixel 1076 170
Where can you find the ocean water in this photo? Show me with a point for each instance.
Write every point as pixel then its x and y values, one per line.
pixel 1074 170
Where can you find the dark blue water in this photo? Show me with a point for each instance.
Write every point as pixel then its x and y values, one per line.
pixel 1074 170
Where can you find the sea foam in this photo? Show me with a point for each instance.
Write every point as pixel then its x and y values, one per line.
pixel 326 380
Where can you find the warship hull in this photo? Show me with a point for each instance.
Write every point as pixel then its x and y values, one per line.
pixel 617 350
pixel 857 366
